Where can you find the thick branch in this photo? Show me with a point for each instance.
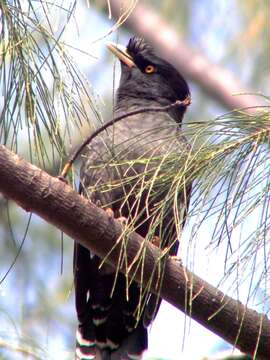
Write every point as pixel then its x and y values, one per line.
pixel 36 191
pixel 215 80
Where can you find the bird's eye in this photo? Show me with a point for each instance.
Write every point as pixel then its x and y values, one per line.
pixel 150 69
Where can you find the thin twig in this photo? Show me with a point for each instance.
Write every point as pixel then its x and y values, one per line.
pixel 70 162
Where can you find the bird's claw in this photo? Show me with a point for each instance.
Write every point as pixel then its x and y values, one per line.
pixel 122 220
pixel 110 213
pixel 177 258
pixel 156 240
pixel 63 179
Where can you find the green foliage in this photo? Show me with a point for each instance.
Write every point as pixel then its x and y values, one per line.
pixel 44 94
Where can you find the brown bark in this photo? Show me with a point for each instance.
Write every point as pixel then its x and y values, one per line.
pixel 219 83
pixel 38 192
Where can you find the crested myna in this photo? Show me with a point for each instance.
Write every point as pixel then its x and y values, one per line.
pixel 122 170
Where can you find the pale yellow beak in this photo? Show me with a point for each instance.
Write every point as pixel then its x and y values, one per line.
pixel 122 54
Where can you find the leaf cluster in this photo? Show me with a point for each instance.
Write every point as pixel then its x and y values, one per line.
pixel 43 93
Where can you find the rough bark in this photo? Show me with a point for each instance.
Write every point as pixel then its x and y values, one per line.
pixel 219 83
pixel 53 200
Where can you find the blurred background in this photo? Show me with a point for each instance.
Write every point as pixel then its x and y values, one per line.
pixel 223 48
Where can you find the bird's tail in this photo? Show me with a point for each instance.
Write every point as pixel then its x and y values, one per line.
pixel 85 348
pixel 131 349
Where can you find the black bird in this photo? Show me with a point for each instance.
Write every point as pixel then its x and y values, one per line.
pixel 117 173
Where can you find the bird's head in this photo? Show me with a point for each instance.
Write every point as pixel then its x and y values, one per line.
pixel 146 79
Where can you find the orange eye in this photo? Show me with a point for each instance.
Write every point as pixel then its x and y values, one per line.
pixel 150 69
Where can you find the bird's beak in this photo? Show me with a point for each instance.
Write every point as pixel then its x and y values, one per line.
pixel 122 54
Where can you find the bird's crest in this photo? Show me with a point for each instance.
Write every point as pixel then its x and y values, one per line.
pixel 137 45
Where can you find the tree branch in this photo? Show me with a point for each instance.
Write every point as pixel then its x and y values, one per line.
pixel 219 83
pixel 53 200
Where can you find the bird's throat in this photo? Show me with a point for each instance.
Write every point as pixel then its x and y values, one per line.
pixel 127 104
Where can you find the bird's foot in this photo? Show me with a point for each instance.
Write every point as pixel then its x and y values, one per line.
pixel 110 213
pixel 156 240
pixel 122 220
pixel 176 258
